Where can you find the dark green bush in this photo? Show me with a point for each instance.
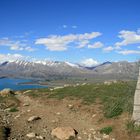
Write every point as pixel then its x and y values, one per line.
pixel 106 130
pixel 13 109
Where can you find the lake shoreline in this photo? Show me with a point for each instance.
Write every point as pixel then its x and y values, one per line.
pixel 20 84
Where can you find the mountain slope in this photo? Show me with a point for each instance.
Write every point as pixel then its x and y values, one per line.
pixel 53 69
pixel 40 69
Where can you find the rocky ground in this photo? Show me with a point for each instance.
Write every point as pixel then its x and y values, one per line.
pixel 52 119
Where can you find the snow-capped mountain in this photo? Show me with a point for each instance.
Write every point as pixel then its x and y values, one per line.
pixel 49 69
pixel 45 63
pixel 39 69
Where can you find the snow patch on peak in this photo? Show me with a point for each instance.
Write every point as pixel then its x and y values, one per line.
pixel 71 64
pixel 45 63
pixel 48 63
pixel 41 62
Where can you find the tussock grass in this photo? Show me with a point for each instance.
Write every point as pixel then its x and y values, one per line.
pixel 132 127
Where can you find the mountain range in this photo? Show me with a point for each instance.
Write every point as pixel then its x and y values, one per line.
pixel 57 69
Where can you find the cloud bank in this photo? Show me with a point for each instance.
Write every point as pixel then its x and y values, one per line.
pixel 61 43
pixel 127 52
pixel 15 45
pixel 129 37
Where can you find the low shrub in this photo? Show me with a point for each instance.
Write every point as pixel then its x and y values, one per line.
pixel 13 109
pixel 106 130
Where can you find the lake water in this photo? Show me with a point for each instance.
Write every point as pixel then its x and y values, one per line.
pixel 15 84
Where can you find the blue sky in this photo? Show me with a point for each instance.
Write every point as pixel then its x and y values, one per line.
pixel 83 31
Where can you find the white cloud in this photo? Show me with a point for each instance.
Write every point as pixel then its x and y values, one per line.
pixel 83 43
pixel 108 49
pixel 15 45
pixel 5 42
pixel 61 43
pixel 74 26
pixel 29 49
pixel 129 37
pixel 11 57
pixel 89 62
pixel 138 31
pixel 64 26
pixel 96 45
pixel 127 52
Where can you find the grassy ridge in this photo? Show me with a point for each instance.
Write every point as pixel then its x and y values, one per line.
pixel 116 97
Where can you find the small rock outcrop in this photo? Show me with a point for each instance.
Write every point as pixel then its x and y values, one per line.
pixel 6 92
pixel 31 135
pixel 64 133
pixel 26 104
pixel 110 82
pixel 33 118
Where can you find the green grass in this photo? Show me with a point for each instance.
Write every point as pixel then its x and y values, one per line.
pixel 13 109
pixel 132 127
pixel 116 98
pixel 106 130
pixel 113 110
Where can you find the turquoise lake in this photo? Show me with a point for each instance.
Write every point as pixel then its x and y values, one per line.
pixel 14 84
